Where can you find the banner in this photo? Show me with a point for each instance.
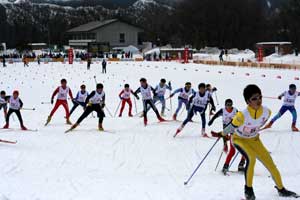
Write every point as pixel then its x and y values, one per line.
pixel 70 56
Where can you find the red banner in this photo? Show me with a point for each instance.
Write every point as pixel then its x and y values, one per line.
pixel 260 56
pixel 186 55
pixel 70 56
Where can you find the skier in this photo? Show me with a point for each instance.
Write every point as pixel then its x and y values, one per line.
pixel 125 98
pixel 3 61
pixel 95 102
pixel 146 92
pixel 104 66
pixel 39 60
pixel 288 105
pixel 25 61
pixel 221 55
pixel 3 102
pixel 227 114
pixel 183 97
pixel 62 94
pixel 160 91
pixel 198 103
pixel 211 91
pixel 246 125
pixel 15 105
pixel 79 99
pixel 89 61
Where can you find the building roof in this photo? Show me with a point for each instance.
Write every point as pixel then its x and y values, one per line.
pixel 274 43
pixel 93 25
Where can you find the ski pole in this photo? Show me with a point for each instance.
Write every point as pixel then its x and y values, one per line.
pixel 216 98
pixel 46 102
pixel 135 105
pixel 170 102
pixel 270 97
pixel 108 111
pixel 7 141
pixel 117 108
pixel 233 159
pixel 28 108
pixel 219 160
pixel 194 172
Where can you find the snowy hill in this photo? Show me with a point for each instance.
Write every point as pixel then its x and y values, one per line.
pixel 134 162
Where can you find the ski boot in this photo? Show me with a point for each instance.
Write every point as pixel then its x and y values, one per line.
pixel 269 125
pixel 68 121
pixel 100 127
pixel 203 134
pixel 286 193
pixel 161 119
pixel 225 169
pixel 72 128
pixel 6 126
pixel 241 167
pixel 48 120
pixel 178 131
pixel 120 115
pixel 129 115
pixel 174 117
pixel 145 121
pixel 249 194
pixel 23 128
pixel 294 128
pixel 162 114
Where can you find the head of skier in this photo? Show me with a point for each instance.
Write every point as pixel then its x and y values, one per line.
pixel 143 82
pixel 208 87
pixel 99 88
pixel 201 88
pixel 292 89
pixel 82 88
pixel 16 94
pixel 228 104
pixel 253 96
pixel 126 87
pixel 162 82
pixel 63 83
pixel 3 94
pixel 188 86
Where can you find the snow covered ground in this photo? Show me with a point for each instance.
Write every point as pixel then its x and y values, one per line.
pixel 135 162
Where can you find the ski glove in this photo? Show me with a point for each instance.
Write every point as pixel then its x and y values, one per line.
pixel 213 108
pixel 229 129
pixel 214 89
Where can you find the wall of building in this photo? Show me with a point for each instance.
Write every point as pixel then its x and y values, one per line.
pixel 111 33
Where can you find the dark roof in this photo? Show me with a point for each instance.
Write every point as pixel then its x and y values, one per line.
pixel 94 25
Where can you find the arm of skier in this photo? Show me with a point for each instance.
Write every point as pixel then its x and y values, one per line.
pixel 218 114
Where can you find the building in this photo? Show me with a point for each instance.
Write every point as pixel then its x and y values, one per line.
pixel 103 34
pixel 268 48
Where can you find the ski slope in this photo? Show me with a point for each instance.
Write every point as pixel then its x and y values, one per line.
pixel 134 162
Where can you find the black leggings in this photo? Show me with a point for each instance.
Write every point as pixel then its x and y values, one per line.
pixel 89 109
pixel 149 103
pixel 76 104
pixel 18 113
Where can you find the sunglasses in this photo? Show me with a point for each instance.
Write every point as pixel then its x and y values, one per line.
pixel 256 98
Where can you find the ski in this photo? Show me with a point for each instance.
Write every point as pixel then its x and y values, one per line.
pixel 11 129
pixel 104 131
pixel 8 141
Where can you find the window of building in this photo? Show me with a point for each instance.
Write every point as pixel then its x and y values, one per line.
pixel 122 37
